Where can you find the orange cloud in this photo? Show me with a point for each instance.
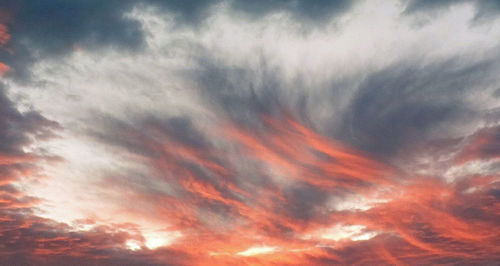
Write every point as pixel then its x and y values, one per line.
pixel 4 35
pixel 3 68
pixel 225 218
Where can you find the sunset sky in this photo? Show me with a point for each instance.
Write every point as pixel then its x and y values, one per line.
pixel 249 132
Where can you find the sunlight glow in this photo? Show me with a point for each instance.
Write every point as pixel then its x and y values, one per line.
pixel 257 250
pixel 155 240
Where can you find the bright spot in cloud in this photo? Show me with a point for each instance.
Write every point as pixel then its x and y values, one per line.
pixel 365 236
pixel 133 245
pixel 357 203
pixel 257 250
pixel 342 232
pixel 157 239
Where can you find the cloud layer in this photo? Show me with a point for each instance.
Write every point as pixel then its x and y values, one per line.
pixel 237 133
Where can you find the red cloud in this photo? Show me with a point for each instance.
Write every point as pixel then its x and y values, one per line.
pixel 226 219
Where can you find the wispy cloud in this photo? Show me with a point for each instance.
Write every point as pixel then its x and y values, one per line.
pixel 237 133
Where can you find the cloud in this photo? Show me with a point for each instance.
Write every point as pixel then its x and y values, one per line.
pixel 55 28
pixel 484 144
pixel 27 238
pixel 484 9
pixel 317 10
pixel 403 106
pixel 46 29
pixel 237 133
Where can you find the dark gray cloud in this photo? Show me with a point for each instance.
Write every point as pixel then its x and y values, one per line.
pixel 241 93
pixel 304 200
pixel 312 10
pixel 17 129
pixel 400 106
pixel 42 29
pixel 496 93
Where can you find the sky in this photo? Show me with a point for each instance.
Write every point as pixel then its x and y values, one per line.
pixel 234 132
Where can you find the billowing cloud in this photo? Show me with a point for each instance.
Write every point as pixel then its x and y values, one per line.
pixel 249 133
